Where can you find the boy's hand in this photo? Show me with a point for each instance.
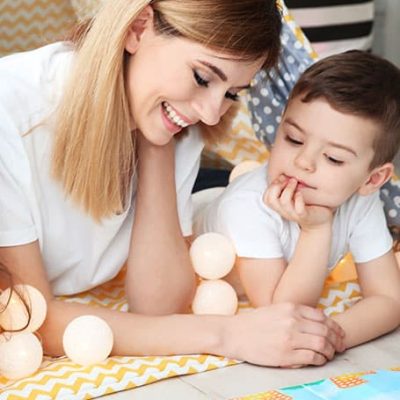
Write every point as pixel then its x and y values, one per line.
pixel 282 197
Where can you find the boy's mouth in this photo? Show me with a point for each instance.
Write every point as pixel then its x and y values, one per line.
pixel 300 184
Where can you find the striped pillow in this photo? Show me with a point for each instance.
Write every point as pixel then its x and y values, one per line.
pixel 333 26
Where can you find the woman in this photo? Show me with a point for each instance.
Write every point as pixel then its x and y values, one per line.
pixel 96 172
pixel 7 282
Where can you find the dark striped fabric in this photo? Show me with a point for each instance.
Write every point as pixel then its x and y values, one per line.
pixel 333 26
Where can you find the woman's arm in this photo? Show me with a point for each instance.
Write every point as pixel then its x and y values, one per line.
pixel 160 277
pixel 378 312
pixel 277 335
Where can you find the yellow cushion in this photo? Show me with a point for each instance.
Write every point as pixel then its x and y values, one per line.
pixel 30 24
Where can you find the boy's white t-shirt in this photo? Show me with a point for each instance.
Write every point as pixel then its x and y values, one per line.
pixel 78 253
pixel 259 232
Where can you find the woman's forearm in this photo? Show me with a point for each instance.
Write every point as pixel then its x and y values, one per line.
pixel 160 278
pixel 136 335
pixel 278 335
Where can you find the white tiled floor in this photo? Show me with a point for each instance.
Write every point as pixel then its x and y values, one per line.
pixel 243 379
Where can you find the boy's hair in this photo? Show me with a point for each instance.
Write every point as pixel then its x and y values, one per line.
pixel 363 84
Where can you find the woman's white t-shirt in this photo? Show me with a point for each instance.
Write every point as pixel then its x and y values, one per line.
pixel 78 253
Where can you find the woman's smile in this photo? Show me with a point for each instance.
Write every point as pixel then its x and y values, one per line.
pixel 173 120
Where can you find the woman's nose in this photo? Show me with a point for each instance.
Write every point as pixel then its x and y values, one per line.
pixel 209 109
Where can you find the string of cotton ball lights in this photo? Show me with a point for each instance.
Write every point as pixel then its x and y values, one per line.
pixel 213 257
pixel 87 339
pixel 21 352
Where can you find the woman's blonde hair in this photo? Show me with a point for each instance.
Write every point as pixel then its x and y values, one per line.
pixel 94 148
pixel 7 282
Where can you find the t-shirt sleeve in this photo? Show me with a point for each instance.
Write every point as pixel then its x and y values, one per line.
pixel 370 237
pixel 253 230
pixel 16 222
pixel 187 166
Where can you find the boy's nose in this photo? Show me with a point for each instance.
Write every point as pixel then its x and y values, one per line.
pixel 305 161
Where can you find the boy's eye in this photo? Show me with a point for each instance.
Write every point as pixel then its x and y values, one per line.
pixel 199 79
pixel 333 160
pixel 292 140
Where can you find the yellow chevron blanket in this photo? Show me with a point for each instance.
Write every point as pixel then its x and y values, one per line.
pixel 61 378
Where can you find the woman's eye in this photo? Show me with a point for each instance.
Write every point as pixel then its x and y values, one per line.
pixel 232 96
pixel 334 161
pixel 293 140
pixel 199 79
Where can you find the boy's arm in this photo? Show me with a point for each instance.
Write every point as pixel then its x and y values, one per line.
pixel 305 274
pixel 267 281
pixel 303 279
pixel 260 277
pixel 379 310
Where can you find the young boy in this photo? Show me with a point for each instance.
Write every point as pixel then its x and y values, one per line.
pixel 317 198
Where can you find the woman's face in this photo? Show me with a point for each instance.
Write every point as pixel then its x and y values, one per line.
pixel 173 83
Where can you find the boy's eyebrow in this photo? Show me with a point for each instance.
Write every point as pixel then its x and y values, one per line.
pixel 337 145
pixel 220 73
pixel 340 146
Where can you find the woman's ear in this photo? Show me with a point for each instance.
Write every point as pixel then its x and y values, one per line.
pixel 142 22
pixel 376 179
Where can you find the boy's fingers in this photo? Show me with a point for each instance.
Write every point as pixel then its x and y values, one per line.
pixel 288 192
pixel 299 205
pixel 273 194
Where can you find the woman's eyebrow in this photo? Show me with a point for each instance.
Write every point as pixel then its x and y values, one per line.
pixel 214 69
pixel 220 74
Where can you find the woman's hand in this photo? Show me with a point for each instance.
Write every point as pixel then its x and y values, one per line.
pixel 283 335
pixel 288 202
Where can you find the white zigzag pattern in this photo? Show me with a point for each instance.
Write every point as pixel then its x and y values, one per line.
pixel 131 377
pixel 21 43
pixel 49 24
pixel 112 304
pixel 344 295
pixel 32 5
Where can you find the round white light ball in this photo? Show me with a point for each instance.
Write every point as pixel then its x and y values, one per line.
pixel 20 355
pixel 213 255
pixel 88 340
pixel 215 297
pixel 242 168
pixel 15 316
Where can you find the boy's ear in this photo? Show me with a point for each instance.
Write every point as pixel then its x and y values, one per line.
pixel 142 22
pixel 376 179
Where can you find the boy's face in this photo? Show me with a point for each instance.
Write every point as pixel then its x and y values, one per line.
pixel 326 151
